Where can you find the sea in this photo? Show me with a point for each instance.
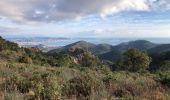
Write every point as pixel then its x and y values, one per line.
pixel 65 41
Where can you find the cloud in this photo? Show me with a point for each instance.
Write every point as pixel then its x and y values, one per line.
pixel 8 29
pixel 160 4
pixel 59 10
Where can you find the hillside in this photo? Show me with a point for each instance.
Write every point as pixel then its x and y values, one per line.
pixel 159 49
pixel 42 47
pixel 30 74
pixel 80 44
pixel 101 49
pixel 113 53
pixel 86 46
pixel 139 44
pixel 116 53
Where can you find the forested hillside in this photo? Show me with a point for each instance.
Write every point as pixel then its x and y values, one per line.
pixel 77 74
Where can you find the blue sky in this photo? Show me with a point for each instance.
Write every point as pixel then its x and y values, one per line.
pixel 85 18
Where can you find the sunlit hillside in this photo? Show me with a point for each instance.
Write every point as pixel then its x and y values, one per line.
pixel 84 49
pixel 78 74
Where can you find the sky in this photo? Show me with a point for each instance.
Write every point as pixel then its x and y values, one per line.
pixel 85 18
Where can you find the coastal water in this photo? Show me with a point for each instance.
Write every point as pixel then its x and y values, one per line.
pixel 66 41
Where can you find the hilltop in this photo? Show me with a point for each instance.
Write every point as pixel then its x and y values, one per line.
pixel 86 46
pixel 107 51
pixel 119 49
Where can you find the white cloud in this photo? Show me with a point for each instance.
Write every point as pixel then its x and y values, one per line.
pixel 57 10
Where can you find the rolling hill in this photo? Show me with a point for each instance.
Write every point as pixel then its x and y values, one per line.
pixel 116 52
pixel 139 44
pixel 159 49
pixel 37 75
pixel 95 49
pixel 80 44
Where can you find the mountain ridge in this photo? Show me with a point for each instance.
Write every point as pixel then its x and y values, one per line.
pixel 114 53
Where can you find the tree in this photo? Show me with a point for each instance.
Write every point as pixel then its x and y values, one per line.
pixel 89 60
pixel 135 60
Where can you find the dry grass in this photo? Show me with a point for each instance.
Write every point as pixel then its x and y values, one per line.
pixel 97 83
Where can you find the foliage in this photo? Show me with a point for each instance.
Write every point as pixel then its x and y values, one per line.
pixel 26 59
pixel 88 60
pixel 6 45
pixel 64 60
pixel 164 77
pixel 78 87
pixel 135 60
pixel 29 74
pixel 158 60
pixel 127 85
pixel 164 66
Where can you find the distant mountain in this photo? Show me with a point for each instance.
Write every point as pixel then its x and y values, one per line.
pixel 139 44
pixel 80 44
pixel 116 53
pixel 113 53
pixel 95 49
pixel 101 49
pixel 159 49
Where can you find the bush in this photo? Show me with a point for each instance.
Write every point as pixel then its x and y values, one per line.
pixel 52 90
pixel 164 66
pixel 136 86
pixel 26 59
pixel 135 60
pixel 89 60
pixel 164 77
pixel 64 61
pixel 34 86
pixel 78 87
pixel 84 88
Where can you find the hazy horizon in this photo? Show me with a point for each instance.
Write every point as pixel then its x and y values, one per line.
pixel 61 41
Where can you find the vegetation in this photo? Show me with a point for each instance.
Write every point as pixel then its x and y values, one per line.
pixel 88 60
pixel 29 74
pixel 135 60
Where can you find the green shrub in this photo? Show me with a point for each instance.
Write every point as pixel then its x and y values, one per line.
pixel 78 87
pixel 26 59
pixel 89 60
pixel 164 66
pixel 135 60
pixel 164 77
pixel 52 90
